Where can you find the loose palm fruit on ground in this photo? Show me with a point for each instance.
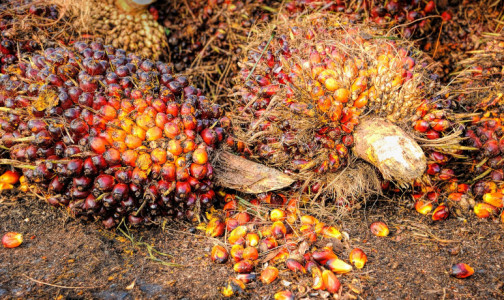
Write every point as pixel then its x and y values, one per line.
pixel 76 121
pixel 12 239
pixel 268 275
pixel 461 270
pixel 331 282
pixel 379 229
pixel 308 108
pixel 284 295
pixel 219 254
pixel 440 213
pixel 358 258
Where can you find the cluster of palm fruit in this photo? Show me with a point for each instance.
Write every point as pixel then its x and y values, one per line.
pixel 272 234
pixel 303 92
pixel 480 91
pixel 109 134
pixel 135 31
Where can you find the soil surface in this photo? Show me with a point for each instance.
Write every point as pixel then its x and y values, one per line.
pixel 64 258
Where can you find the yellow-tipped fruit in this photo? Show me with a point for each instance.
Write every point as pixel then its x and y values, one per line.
pixel 484 210
pixel 12 239
pixel 358 258
pixel 494 199
pixel 338 266
pixel 423 207
pixel 331 282
pixel 219 254
pixel 269 275
pixel 284 295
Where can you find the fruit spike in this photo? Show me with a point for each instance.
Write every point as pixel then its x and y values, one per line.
pixel 88 138
pixel 309 108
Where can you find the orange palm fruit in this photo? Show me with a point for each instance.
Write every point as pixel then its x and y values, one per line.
pixel 282 256
pixel 233 287
pixel 308 220
pixel 219 254
pixel 331 282
pixel 269 275
pixel 358 258
pixel 252 239
pixel 237 234
pixel 278 229
pixel 484 210
pixel 284 295
pixel 12 239
pixel 323 255
pixel 331 232
pixel 242 218
pixel 250 253
pixel 244 266
pixel 215 228
pixel 277 215
pixel 423 207
pixel 318 281
pixel 10 177
pixel 379 229
pixel 461 270
pixel 494 199
pixel 237 252
pixel 338 266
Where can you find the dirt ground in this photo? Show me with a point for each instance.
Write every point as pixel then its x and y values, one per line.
pixel 64 258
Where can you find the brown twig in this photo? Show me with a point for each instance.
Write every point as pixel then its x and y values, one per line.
pixel 62 286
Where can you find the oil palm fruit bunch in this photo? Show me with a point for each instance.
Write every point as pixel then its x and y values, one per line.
pixel 109 134
pixel 479 88
pixel 269 238
pixel 313 95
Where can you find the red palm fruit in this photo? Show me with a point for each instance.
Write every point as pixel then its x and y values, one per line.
pixel 82 183
pixel 331 282
pixel 104 182
pixel 237 252
pixel 129 157
pixel 484 210
pixel 456 197
pixel 198 171
pixel 12 239
pixel 246 278
pixel 277 215
pixel 278 229
pixel 242 218
pixel 108 112
pixel 112 156
pixel 132 142
pixel 358 258
pixel 120 191
pixel 379 229
pixel 182 189
pixel 323 255
pixel 209 136
pixel 423 207
pixel 268 275
pixel 318 281
pixel 215 228
pixel 237 234
pixel 188 146
pixel 502 217
pixel 158 156
pixel 10 177
pixel 171 130
pixel 494 199
pixel 250 253
pixel 461 270
pixel 244 266
pixel 268 244
pixel 98 144
pixel 252 239
pixel 294 266
pixel 168 172
pixel 440 213
pixel 231 224
pixel 432 134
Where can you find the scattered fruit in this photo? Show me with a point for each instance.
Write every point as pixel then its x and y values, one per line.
pixel 12 239
pixel 358 258
pixel 379 229
pixel 461 270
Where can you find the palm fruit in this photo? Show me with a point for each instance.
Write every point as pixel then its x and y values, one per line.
pixel 109 134
pixel 314 95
